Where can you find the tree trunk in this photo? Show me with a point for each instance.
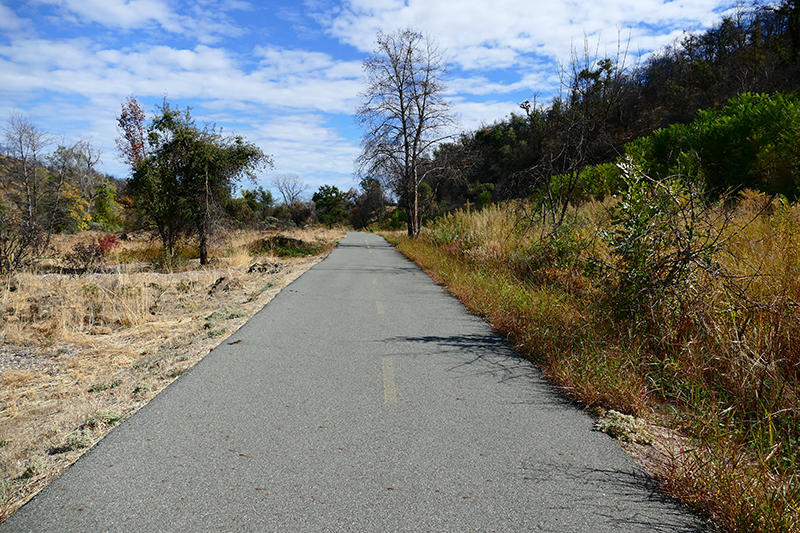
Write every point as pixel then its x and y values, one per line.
pixel 413 208
pixel 203 244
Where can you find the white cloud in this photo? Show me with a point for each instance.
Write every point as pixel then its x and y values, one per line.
pixel 125 14
pixel 474 115
pixel 481 34
pixel 306 145
pixel 283 78
pixel 203 21
pixel 11 24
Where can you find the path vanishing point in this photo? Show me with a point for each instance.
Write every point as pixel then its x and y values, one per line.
pixel 361 398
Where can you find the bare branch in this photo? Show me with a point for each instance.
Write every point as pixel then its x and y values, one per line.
pixel 404 114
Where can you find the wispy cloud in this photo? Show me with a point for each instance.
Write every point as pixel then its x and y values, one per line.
pixel 501 34
pixel 126 15
pixel 207 22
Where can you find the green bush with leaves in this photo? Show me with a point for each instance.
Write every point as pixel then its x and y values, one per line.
pixel 106 209
pixel 752 142
pixel 663 233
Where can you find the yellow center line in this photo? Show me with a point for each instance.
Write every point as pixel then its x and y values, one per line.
pixel 389 390
pixel 379 305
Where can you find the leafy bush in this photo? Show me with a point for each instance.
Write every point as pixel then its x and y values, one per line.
pixel 282 246
pixel 106 209
pixel 397 219
pixel 753 142
pixel 662 233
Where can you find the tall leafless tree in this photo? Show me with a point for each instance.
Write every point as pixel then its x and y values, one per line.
pixel 24 182
pixel 404 114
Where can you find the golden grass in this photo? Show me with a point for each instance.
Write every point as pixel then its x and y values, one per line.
pixel 74 345
pixel 722 366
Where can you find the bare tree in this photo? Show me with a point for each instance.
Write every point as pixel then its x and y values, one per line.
pixel 24 181
pixel 75 166
pixel 25 221
pixel 290 187
pixel 404 114
pixel 88 179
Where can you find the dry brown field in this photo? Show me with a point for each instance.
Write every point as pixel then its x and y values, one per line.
pixel 82 351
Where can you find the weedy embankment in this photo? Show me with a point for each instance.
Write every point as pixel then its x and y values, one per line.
pixel 83 350
pixel 684 314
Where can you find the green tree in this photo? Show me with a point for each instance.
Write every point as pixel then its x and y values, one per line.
pixel 369 205
pixel 254 208
pixel 106 209
pixel 187 174
pixel 331 205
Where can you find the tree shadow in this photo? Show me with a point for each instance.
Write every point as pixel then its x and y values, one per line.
pixel 639 503
pixel 489 354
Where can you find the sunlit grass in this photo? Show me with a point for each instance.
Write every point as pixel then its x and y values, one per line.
pixel 719 363
pixel 108 341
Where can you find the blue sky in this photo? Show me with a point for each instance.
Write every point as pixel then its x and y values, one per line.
pixel 286 74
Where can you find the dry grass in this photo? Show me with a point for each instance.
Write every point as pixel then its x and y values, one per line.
pixel 718 363
pixel 74 346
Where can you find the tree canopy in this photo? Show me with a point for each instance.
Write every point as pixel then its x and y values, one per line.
pixel 331 205
pixel 185 174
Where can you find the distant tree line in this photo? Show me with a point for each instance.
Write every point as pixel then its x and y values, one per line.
pixel 183 186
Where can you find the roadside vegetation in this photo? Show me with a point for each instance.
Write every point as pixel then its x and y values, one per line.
pixel 710 354
pixel 637 237
pixel 83 348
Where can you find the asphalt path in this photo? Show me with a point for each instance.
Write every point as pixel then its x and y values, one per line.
pixel 362 398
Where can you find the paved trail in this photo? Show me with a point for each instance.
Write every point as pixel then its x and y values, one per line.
pixel 362 398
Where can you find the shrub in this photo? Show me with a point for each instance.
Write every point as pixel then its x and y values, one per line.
pixel 22 243
pixel 102 418
pixel 80 438
pixel 554 254
pixel 663 231
pixel 33 468
pixel 752 142
pixel 108 243
pixel 86 257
